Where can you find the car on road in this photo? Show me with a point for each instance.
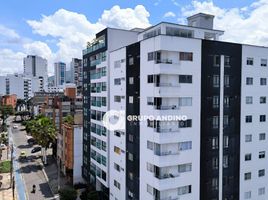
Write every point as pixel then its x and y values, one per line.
pixel 15 127
pixel 3 146
pixel 36 149
pixel 31 141
pixel 23 155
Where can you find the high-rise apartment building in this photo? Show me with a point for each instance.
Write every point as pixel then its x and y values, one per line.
pixel 217 152
pixel 35 67
pixel 77 73
pixel 60 73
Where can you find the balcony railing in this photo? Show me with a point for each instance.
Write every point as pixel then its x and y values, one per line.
pixel 93 48
pixel 166 153
pixel 171 107
pixel 166 175
pixel 164 61
pixel 166 130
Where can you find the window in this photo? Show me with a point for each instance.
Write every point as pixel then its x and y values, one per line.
pixel 227 61
pixel 225 162
pixel 150 167
pixel 150 145
pixel 261 172
pixel 216 60
pixel 263 81
pixel 248 138
pixel 261 154
pixel 263 62
pixel 117 184
pixel 185 124
pixel 184 190
pixel 226 80
pixel 225 120
pixel 262 100
pixel 150 78
pixel 117 99
pixel 215 163
pixel 117 64
pixel 225 141
pixel 185 168
pixel 185 101
pixel 117 150
pixel 150 189
pixel 247 176
pixel 249 61
pixel 215 101
pixel 130 99
pixel 130 137
pixel 151 56
pixel 185 79
pixel 248 195
pixel 150 101
pixel 117 81
pixel 214 184
pixel 130 175
pixel 187 56
pixel 216 81
pixel 261 191
pixel 185 145
pixel 117 133
pixel 215 122
pixel 262 118
pixel 215 143
pixel 249 81
pixel 130 156
pixel 249 100
pixel 248 157
pixel 262 136
pixel 226 101
pixel 248 118
pixel 130 60
pixel 131 80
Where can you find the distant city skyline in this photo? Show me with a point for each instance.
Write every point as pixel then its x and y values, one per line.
pixel 58 31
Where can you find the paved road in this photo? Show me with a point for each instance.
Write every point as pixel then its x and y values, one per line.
pixel 30 169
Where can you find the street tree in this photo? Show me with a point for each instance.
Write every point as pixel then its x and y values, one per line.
pixel 5 112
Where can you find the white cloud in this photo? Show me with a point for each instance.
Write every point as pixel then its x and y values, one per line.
pixel 10 61
pixel 8 35
pixel 239 26
pixel 175 3
pixel 169 14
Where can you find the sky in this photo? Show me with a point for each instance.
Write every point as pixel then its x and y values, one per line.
pixel 58 30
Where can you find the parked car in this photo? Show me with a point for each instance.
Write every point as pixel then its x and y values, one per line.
pixel 36 149
pixel 31 141
pixel 15 127
pixel 3 146
pixel 23 154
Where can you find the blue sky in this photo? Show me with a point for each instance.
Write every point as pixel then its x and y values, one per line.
pixel 25 30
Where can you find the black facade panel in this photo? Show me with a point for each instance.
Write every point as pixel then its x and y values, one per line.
pixel 210 50
pixel 133 70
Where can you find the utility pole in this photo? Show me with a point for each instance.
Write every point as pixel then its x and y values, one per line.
pixel 11 167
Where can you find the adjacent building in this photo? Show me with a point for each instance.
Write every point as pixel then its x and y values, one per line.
pixel 77 73
pixel 60 73
pixel 217 152
pixel 9 100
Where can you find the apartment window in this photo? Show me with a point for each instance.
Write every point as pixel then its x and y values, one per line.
pixel 247 176
pixel 185 79
pixel 130 99
pixel 262 136
pixel 263 81
pixel 184 190
pixel 150 78
pixel 225 120
pixel 261 154
pixel 215 122
pixel 185 124
pixel 117 150
pixel 225 161
pixel 215 143
pixel 227 61
pixel 130 194
pixel 261 191
pixel 248 138
pixel 117 133
pixel 117 64
pixel 215 163
pixel 186 56
pixel 150 145
pixel 225 141
pixel 215 101
pixel 117 167
pixel 150 189
pixel 150 167
pixel 249 61
pixel 262 118
pixel 249 100
pixel 216 60
pixel 262 100
pixel 130 156
pixel 117 81
pixel 117 184
pixel 185 101
pixel 117 99
pixel 151 56
pixel 226 80
pixel 263 62
pixel 214 184
pixel 248 157
pixel 183 146
pixel 261 172
pixel 216 81
pixel 248 118
pixel 131 80
pixel 130 60
pixel 248 195
pixel 249 81
pixel 185 168
pixel 130 175
pixel 130 138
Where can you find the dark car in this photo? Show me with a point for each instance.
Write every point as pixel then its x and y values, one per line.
pixel 31 141
pixel 36 149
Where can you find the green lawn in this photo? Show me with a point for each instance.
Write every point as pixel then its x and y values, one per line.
pixel 5 166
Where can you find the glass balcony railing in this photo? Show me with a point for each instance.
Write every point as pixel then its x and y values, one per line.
pixel 93 48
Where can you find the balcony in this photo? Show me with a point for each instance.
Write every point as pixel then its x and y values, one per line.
pixel 93 47
pixel 166 130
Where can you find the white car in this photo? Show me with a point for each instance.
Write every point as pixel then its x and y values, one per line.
pixel 3 146
pixel 15 127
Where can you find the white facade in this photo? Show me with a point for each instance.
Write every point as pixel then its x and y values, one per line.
pixel 253 135
pixel 2 85
pixel 78 149
pixel 19 85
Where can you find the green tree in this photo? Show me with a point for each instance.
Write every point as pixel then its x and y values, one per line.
pixel 68 194
pixel 68 119
pixel 5 112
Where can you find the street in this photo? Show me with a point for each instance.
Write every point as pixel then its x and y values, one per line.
pixel 29 168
